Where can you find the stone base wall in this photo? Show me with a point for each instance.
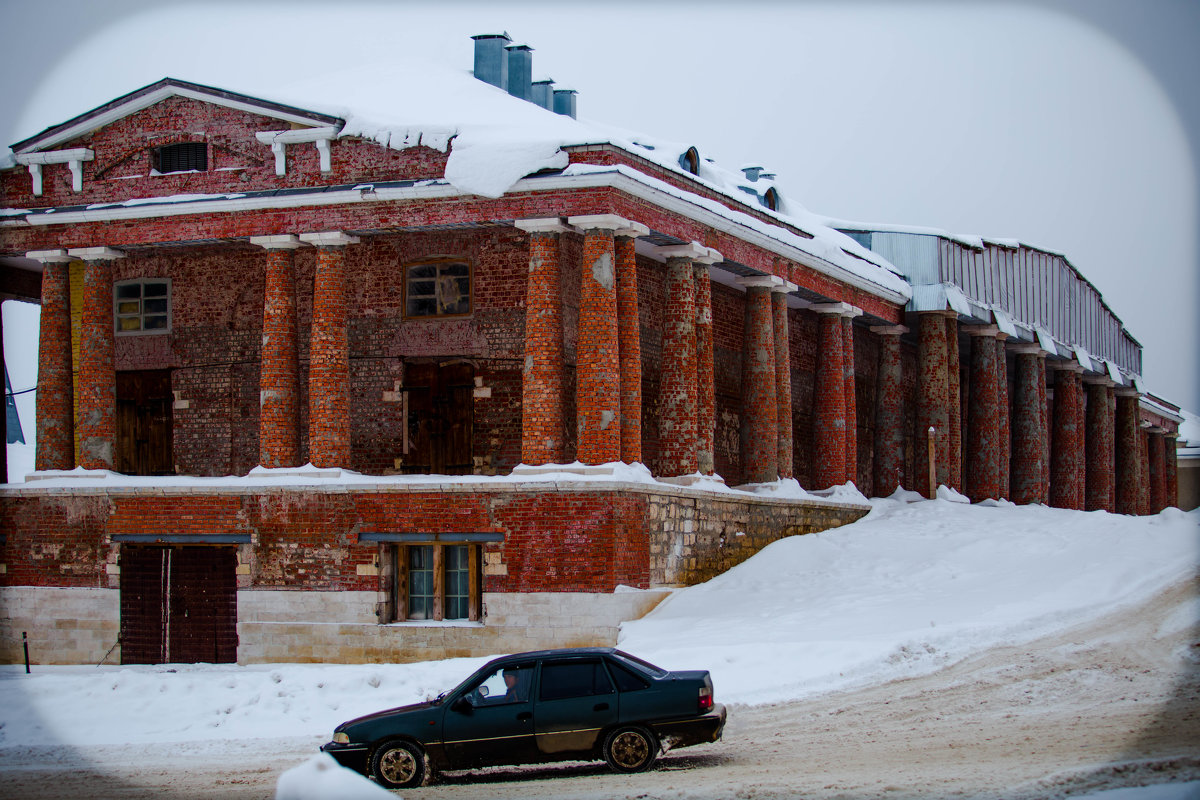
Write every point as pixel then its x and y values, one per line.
pixel 65 625
pixel 340 627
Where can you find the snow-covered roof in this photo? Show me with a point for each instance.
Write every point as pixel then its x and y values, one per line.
pixel 497 140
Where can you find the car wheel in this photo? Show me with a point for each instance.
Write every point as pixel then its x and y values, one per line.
pixel 398 765
pixel 630 749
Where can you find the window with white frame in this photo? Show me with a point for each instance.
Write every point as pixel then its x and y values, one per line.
pixel 142 305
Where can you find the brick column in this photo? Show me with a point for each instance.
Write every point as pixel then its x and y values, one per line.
pixel 542 417
pixel 1003 408
pixel 629 335
pixel 598 361
pixel 889 411
pixel 1098 473
pixel 97 375
pixel 833 412
pixel 706 401
pixel 850 397
pixel 1143 470
pixel 1029 427
pixel 1066 440
pixel 1127 452
pixel 783 377
pixel 1172 469
pixel 329 354
pixel 983 442
pixel 760 401
pixel 1044 405
pixel 55 447
pixel 1156 455
pixel 933 398
pixel 279 376
pixel 953 406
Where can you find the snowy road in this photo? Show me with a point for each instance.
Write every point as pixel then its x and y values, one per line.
pixel 1113 703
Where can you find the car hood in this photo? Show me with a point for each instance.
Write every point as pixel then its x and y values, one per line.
pixel 391 712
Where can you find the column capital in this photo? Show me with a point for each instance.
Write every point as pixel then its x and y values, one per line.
pixel 329 238
pixel 889 330
pixel 59 256
pixel 693 251
pixel 1127 391
pixel 1098 380
pixel 543 225
pixel 284 241
pixel 840 309
pixel 785 287
pixel 634 230
pixel 772 282
pixel 1065 366
pixel 95 253
pixel 1028 349
pixel 981 330
pixel 604 222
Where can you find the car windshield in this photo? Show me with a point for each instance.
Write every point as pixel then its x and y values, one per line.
pixel 645 666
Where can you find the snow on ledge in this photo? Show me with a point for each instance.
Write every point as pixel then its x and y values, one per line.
pixel 613 475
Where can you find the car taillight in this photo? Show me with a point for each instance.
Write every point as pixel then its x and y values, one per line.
pixel 706 700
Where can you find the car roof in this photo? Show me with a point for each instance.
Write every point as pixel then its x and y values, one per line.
pixel 565 652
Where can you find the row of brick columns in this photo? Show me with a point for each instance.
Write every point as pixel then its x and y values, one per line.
pixel 280 393
pixel 835 435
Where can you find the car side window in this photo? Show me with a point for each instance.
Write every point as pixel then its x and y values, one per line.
pixel 626 680
pixel 574 679
pixel 506 685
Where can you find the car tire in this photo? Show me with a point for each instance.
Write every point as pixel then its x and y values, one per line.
pixel 631 749
pixel 398 765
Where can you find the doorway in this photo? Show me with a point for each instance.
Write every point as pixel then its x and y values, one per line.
pixel 144 435
pixel 440 418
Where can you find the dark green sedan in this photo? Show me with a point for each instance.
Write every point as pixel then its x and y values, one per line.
pixel 553 705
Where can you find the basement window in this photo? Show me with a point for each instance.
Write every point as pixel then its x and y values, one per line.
pixel 437 289
pixel 182 157
pixel 142 306
pixel 433 582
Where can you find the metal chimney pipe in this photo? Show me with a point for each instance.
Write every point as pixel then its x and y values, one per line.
pixel 752 172
pixel 520 70
pixel 542 93
pixel 564 102
pixel 491 62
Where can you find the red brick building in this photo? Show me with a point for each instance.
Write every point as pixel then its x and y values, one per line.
pixel 271 330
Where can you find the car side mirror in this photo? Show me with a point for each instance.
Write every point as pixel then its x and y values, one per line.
pixel 462 705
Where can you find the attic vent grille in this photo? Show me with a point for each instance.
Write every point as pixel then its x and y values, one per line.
pixel 183 157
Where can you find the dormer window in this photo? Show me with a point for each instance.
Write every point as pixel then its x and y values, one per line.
pixel 182 157
pixel 690 160
pixel 771 199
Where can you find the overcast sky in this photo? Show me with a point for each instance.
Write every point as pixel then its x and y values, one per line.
pixel 1073 126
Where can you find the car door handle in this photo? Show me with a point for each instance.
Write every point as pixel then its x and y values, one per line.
pixel 600 707
pixel 524 716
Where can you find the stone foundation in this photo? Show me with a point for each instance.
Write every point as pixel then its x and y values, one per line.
pixel 65 625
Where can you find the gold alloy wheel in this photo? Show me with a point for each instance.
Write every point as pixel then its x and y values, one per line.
pixel 398 764
pixel 630 749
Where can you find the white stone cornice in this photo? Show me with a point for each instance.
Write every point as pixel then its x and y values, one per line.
pixel 604 222
pixel 841 309
pixel 278 140
pixel 329 238
pixel 889 330
pixel 59 256
pixel 980 330
pixel 96 253
pixel 73 158
pixel 543 225
pixel 284 241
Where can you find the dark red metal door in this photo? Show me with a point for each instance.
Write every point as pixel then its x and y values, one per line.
pixel 178 605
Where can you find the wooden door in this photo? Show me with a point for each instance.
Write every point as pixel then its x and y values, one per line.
pixel 144 437
pixel 440 418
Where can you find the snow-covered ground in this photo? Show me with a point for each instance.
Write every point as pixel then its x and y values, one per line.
pixel 910 589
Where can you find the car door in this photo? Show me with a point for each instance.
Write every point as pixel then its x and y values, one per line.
pixel 491 721
pixel 576 702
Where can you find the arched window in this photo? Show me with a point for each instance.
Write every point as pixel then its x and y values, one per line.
pixel 770 199
pixel 690 160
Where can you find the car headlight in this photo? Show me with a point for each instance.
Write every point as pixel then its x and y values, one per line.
pixel 340 737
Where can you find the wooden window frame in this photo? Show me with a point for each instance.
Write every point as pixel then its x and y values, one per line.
pixel 438 263
pixel 141 314
pixel 396 580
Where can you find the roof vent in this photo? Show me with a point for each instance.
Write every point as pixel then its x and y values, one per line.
pixel 520 70
pixel 752 172
pixel 491 62
pixel 564 102
pixel 542 93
